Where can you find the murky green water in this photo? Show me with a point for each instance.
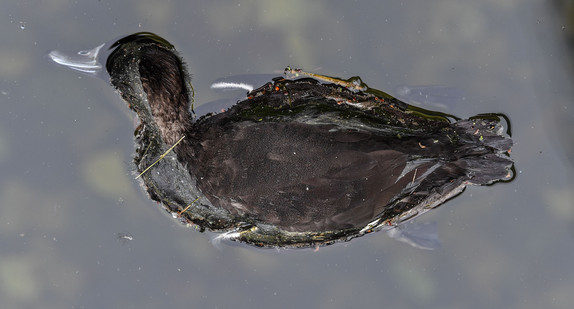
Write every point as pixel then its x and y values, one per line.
pixel 67 188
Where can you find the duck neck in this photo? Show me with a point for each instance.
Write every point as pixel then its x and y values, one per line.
pixel 165 82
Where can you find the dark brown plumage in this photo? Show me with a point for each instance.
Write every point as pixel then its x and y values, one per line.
pixel 298 163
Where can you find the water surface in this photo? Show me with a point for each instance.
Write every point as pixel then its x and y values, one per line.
pixel 67 189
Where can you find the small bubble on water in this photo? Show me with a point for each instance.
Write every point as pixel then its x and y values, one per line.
pixel 124 238
pixel 22 25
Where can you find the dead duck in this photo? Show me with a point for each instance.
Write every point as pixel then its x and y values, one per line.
pixel 299 162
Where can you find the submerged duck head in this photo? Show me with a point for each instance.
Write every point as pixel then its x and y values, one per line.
pixel 145 63
pixel 297 163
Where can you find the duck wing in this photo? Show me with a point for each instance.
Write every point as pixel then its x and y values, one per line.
pixel 321 167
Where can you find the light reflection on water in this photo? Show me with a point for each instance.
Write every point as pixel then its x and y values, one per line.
pixel 67 186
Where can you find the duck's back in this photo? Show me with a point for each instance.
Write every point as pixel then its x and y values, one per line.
pixel 306 161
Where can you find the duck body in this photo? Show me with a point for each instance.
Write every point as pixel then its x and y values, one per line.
pixel 298 163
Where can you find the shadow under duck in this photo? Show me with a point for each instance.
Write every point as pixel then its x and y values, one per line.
pixel 299 162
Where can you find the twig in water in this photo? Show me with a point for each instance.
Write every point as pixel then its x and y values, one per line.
pixel 160 157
